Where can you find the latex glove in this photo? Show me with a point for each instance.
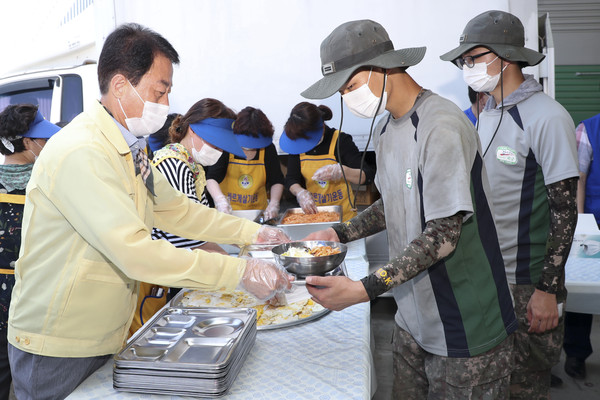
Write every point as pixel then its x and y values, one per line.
pixel 271 235
pixel 222 204
pixel 306 201
pixel 264 279
pixel 272 210
pixel 331 172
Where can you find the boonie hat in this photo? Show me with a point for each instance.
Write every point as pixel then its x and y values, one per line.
pixel 353 45
pixel 301 145
pixel 40 128
pixel 251 142
pixel 219 133
pixel 499 31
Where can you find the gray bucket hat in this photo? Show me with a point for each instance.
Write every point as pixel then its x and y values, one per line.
pixel 499 31
pixel 353 45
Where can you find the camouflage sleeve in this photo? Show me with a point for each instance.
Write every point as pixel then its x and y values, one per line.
pixel 437 241
pixel 563 218
pixel 368 222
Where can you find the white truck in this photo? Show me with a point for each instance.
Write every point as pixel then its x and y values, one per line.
pixel 60 93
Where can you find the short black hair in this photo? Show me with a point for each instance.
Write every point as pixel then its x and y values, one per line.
pixel 306 117
pixel 472 95
pixel 130 50
pixel 254 123
pixel 15 120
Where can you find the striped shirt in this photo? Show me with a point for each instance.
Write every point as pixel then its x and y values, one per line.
pixel 181 178
pixel 584 148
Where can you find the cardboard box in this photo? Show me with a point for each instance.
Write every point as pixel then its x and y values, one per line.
pixel 366 195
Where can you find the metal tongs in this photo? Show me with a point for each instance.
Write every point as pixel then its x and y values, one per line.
pixel 260 219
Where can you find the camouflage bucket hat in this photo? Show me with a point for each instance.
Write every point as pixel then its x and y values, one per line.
pixel 353 45
pixel 499 31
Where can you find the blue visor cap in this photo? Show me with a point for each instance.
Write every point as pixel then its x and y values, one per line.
pixel 301 145
pixel 219 133
pixel 40 128
pixel 250 142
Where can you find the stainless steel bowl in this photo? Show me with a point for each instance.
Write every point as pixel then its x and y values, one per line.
pixel 304 266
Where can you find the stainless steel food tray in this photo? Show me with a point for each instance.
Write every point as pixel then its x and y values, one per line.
pixel 190 339
pixel 300 231
pixel 149 374
pixel 340 270
pixel 177 382
pixel 247 214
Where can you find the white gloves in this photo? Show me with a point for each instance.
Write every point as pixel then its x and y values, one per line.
pixel 222 204
pixel 331 172
pixel 271 235
pixel 264 279
pixel 272 210
pixel 306 201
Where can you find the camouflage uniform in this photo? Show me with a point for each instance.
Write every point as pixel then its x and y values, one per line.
pixel 485 376
pixel 455 315
pixel 535 353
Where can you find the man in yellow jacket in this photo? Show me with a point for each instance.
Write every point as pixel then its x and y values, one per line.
pixel 91 204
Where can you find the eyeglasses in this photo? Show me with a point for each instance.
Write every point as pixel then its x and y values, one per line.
pixel 469 61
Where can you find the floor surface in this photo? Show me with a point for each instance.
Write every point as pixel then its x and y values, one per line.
pixel 382 313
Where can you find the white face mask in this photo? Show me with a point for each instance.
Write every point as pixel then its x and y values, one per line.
pixel 207 155
pixel 478 78
pixel 153 117
pixel 363 103
pixel 35 157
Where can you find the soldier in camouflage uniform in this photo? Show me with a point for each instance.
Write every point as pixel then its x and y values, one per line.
pixel 531 159
pixel 455 314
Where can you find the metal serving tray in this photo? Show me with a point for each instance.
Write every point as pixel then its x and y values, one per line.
pixel 248 214
pixel 300 231
pixel 190 339
pixel 340 270
pixel 178 382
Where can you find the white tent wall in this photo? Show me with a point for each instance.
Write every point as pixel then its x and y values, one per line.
pixel 261 53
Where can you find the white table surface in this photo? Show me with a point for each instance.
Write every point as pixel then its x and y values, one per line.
pixel 325 359
pixel 582 275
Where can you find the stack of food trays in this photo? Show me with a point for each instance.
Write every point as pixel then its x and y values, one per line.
pixel 195 352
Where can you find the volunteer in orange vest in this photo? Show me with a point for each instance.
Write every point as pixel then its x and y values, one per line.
pixel 244 182
pixel 23 134
pixel 323 162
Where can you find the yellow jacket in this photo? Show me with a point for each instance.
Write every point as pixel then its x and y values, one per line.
pixel 86 243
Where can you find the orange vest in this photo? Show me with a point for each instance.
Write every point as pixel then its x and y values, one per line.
pixel 245 183
pixel 326 193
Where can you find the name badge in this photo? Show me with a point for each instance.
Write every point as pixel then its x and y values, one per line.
pixel 409 179
pixel 506 155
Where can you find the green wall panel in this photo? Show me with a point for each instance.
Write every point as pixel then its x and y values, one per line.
pixel 577 88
